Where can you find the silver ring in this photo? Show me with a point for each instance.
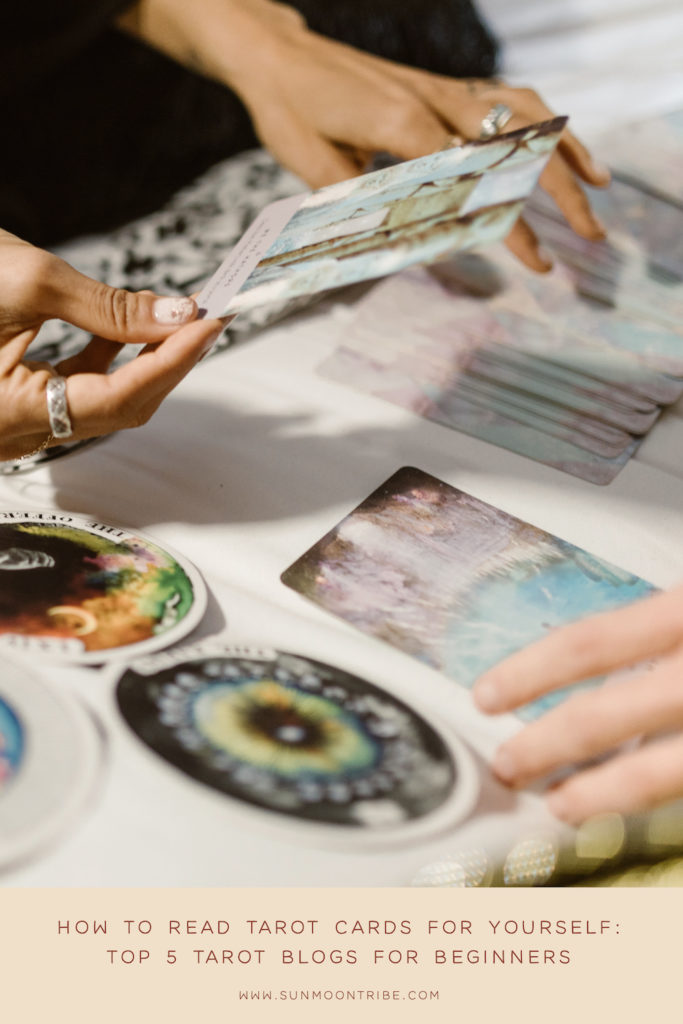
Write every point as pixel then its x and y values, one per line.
pixel 57 408
pixel 494 122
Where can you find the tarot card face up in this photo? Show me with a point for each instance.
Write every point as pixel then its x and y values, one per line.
pixel 452 581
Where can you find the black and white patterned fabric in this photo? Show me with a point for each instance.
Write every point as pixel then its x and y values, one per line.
pixel 175 251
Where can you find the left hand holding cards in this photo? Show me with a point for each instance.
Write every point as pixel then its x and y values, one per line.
pixel 591 723
pixel 323 108
pixel 36 286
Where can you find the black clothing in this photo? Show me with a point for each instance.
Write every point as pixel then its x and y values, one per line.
pixel 99 129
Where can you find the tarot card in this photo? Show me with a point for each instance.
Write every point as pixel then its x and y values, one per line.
pixel 544 317
pixel 551 379
pixel 638 268
pixel 547 418
pixel 50 756
pixel 77 590
pixel 648 153
pixel 580 398
pixel 505 391
pixel 520 303
pixel 391 352
pixel 482 371
pixel 378 223
pixel 483 345
pixel 313 744
pixel 452 581
pixel 452 408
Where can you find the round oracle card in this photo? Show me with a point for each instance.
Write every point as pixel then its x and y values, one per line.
pixel 73 589
pixel 30 462
pixel 314 745
pixel 50 756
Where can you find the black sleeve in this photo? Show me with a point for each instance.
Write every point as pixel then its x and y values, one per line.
pixel 102 129
pixel 449 37
pixel 37 36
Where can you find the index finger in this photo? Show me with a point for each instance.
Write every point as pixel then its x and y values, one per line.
pixel 593 722
pixel 559 182
pixel 584 649
pixel 99 404
pixel 627 783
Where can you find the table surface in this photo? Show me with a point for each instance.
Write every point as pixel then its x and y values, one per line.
pixel 254 457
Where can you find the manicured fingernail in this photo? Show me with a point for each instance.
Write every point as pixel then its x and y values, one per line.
pixel 558 805
pixel 600 226
pixel 174 310
pixel 601 171
pixel 486 696
pixel 546 257
pixel 504 766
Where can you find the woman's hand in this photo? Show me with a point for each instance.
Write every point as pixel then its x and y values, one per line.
pixel 36 286
pixel 322 108
pixel 594 722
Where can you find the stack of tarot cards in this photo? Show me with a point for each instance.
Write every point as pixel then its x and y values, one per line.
pixel 570 368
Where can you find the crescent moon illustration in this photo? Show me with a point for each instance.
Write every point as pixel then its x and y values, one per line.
pixel 85 620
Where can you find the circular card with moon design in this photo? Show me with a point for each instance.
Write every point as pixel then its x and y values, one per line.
pixel 73 589
pixel 301 739
pixel 50 756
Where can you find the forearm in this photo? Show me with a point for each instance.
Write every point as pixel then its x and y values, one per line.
pixel 230 41
pixel 322 107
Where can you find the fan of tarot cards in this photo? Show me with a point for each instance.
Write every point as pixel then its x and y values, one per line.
pixel 571 368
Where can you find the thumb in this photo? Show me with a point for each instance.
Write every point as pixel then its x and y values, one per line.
pixel 114 313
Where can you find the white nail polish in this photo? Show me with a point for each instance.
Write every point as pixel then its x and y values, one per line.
pixel 174 310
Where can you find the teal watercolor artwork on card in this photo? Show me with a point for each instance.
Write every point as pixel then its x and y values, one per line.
pixel 11 744
pixel 453 581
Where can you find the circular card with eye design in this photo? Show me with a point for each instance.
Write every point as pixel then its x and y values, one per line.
pixel 305 740
pixel 12 744
pixel 73 589
pixel 50 756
